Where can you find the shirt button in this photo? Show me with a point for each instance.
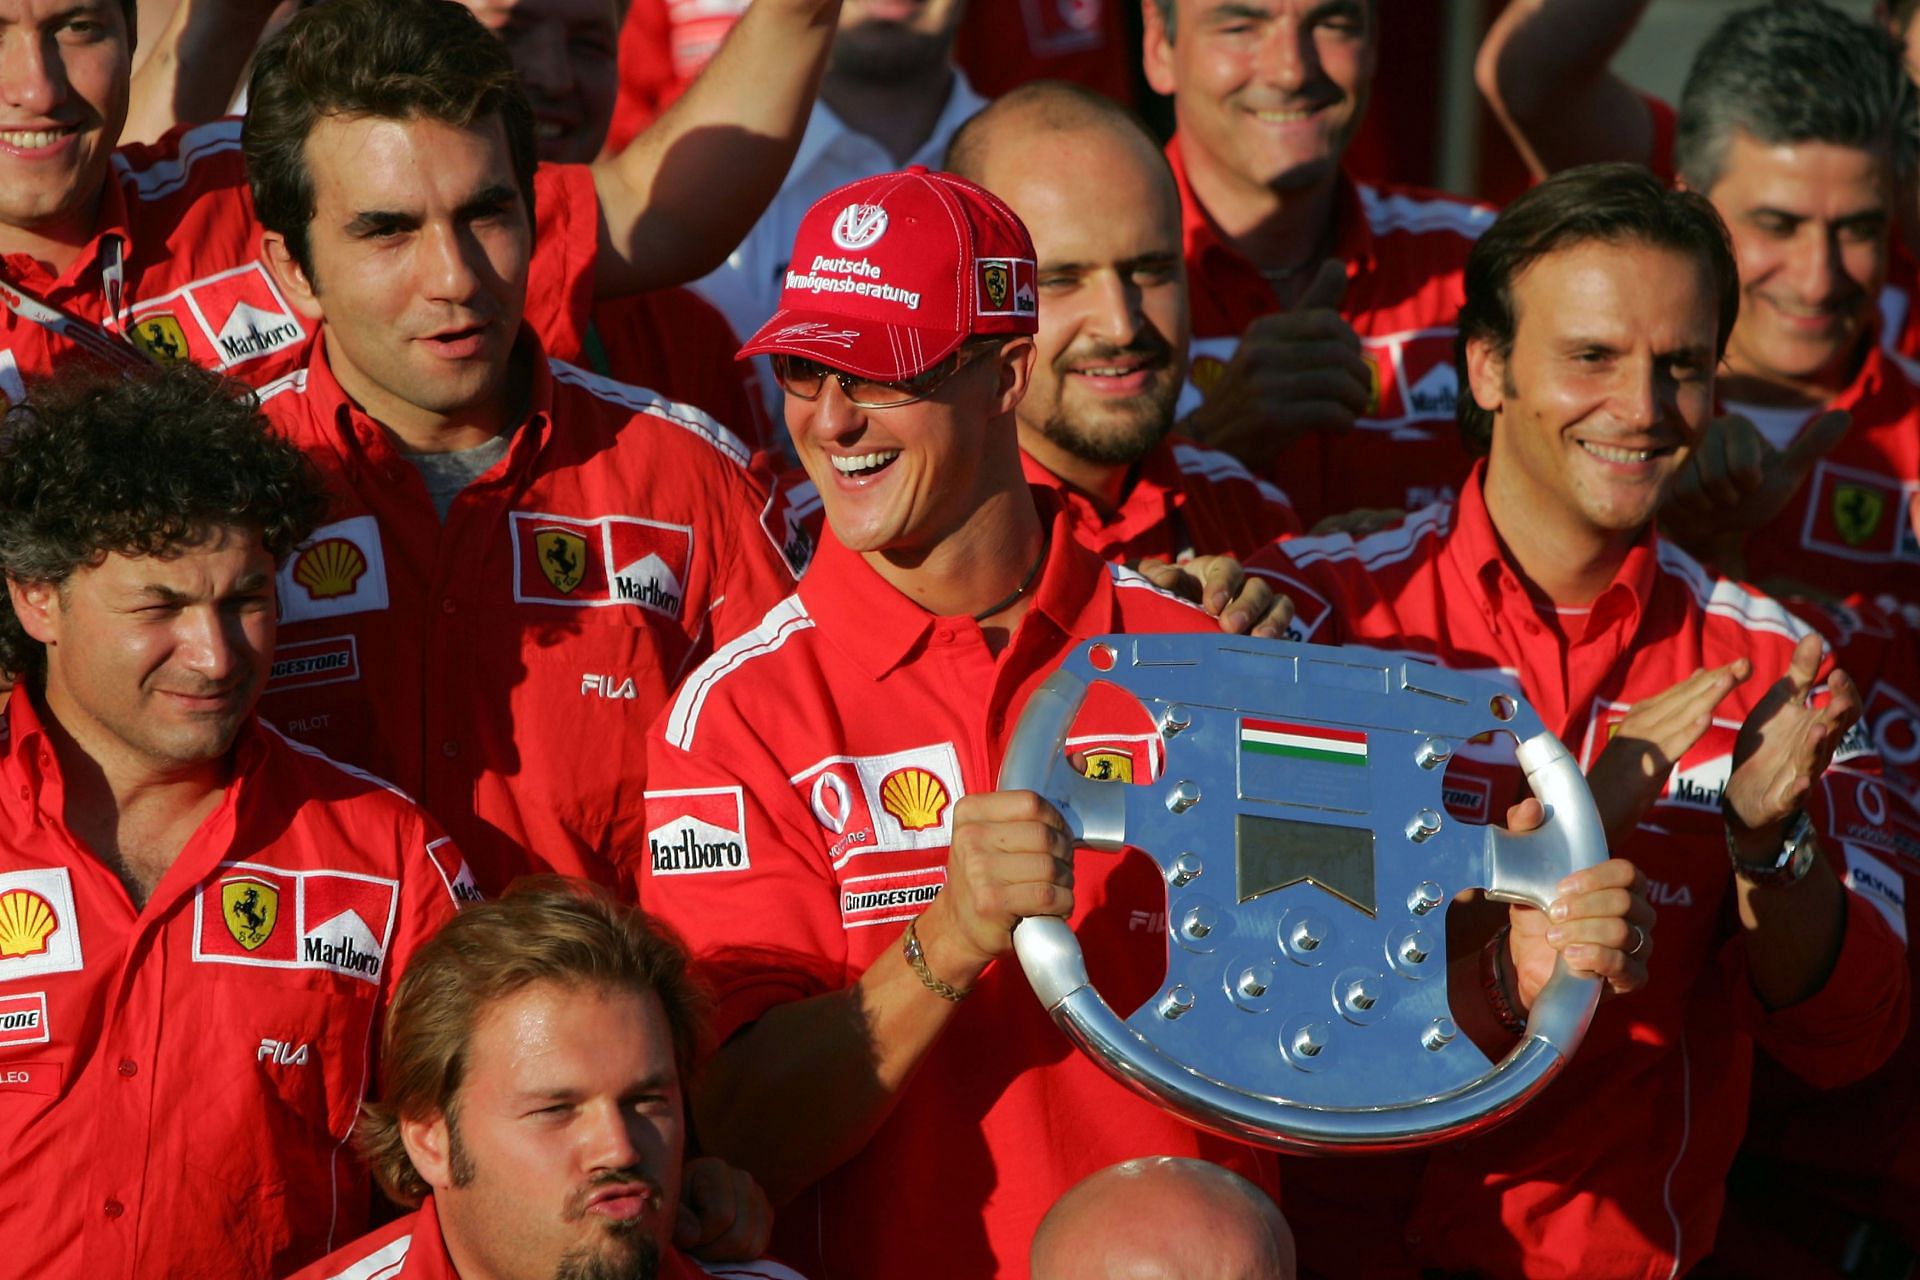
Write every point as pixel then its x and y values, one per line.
pixel 449 748
pixel 128 1067
pixel 448 606
pixel 113 1208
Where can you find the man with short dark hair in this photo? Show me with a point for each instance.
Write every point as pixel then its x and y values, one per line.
pixel 1597 307
pixel 1796 121
pixel 1322 307
pixel 152 253
pixel 200 921
pixel 521 558
pixel 533 1077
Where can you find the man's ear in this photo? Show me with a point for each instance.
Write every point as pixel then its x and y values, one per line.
pixel 289 275
pixel 37 605
pixel 1486 375
pixel 1156 47
pixel 1016 374
pixel 429 1145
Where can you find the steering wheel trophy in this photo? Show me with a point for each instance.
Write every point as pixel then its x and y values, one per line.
pixel 1309 860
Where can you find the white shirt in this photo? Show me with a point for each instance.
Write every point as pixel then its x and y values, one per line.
pixel 746 287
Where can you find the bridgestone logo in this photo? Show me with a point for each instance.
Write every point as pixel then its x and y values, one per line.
pixel 27 1021
pixel 319 664
pixel 910 897
pixel 341 955
pixel 688 854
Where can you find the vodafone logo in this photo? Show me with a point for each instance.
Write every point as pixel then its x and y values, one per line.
pixel 859 226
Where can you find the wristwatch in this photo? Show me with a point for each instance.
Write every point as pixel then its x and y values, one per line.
pixel 1797 849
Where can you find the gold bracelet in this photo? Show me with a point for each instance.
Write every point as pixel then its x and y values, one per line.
pixel 917 961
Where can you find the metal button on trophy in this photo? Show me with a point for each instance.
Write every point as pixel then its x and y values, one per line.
pixel 1309 860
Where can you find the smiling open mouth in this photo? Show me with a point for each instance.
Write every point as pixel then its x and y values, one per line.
pixel 861 465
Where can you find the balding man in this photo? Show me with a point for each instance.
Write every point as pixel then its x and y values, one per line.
pixel 1163 1218
pixel 1099 198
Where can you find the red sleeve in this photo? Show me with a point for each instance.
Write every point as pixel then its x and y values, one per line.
pixel 1316 616
pixel 755 574
pixel 732 862
pixel 1662 118
pixel 566 240
pixel 647 80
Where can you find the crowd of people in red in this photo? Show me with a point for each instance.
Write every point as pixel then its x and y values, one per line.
pixel 501 774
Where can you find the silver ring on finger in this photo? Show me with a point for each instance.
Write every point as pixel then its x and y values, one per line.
pixel 1639 940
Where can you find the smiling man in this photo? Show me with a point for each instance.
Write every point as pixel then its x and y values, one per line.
pixel 521 558
pixel 533 1100
pixel 1596 310
pixel 200 922
pixel 1322 308
pixel 1797 122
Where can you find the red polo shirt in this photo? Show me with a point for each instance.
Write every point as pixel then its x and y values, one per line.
pixel 1851 529
pixel 1617 1170
pixel 177 1082
pixel 1405 250
pixel 412 1248
pixel 504 666
pixel 812 767
pixel 179 218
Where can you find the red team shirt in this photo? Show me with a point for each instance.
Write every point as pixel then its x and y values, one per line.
pixel 800 804
pixel 1851 527
pixel 177 1083
pixel 412 1248
pixel 1405 250
pixel 504 666
pixel 1666 1068
pixel 179 218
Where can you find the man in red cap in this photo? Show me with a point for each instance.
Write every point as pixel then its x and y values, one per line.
pixel 823 826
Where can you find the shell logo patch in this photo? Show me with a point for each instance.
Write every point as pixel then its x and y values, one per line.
pixel 1206 373
pixel 329 569
pixel 914 797
pixel 26 921
pixel 340 571
pixel 39 931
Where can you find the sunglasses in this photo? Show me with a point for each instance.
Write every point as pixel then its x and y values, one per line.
pixel 805 378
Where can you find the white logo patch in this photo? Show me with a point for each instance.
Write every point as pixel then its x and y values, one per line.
pixel 39 930
pixel 885 803
pixel 340 571
pixel 23 1019
pixel 1880 885
pixel 859 226
pixel 704 830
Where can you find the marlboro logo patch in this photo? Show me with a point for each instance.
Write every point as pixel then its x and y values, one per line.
pixel 221 322
pixel 600 561
pixel 271 918
pixel 704 831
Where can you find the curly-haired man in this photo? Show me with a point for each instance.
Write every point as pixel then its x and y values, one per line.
pixel 200 922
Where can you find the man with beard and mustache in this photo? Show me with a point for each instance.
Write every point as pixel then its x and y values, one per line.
pixel 532 1105
pixel 1099 199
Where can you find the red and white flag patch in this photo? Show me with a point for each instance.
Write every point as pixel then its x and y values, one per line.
pixel 600 561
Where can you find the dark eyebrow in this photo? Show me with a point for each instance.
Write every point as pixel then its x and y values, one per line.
pixel 490 200
pixel 1333 9
pixel 369 221
pixel 1232 9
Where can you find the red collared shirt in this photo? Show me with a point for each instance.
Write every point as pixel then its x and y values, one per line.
pixel 1405 250
pixel 800 800
pixel 193 285
pixel 1184 500
pixel 1851 529
pixel 177 1083
pixel 412 1248
pixel 1618 1170
pixel 504 666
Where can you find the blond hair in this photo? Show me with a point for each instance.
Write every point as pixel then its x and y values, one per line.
pixel 545 929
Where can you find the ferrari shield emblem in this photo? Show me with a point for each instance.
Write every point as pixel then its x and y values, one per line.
pixel 1109 766
pixel 161 338
pixel 1856 511
pixel 250 907
pixel 1373 384
pixel 563 557
pixel 995 281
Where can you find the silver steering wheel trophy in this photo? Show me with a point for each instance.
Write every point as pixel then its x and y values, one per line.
pixel 1309 860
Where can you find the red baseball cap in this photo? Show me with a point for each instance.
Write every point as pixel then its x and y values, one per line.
pixel 891 273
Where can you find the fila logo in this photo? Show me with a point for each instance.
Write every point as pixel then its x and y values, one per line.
pixel 610 687
pixel 1146 921
pixel 1662 894
pixel 284 1053
pixel 859 226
